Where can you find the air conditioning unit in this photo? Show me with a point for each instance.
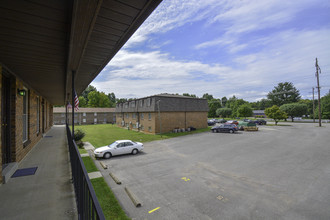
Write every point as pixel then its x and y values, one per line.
pixel 122 123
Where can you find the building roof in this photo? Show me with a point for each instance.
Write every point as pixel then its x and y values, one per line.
pixel 62 110
pixel 164 102
pixel 43 42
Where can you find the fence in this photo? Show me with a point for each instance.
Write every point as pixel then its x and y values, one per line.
pixel 87 203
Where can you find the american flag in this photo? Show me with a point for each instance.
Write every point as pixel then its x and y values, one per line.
pixel 76 101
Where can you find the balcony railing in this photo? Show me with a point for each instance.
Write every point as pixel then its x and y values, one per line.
pixel 87 203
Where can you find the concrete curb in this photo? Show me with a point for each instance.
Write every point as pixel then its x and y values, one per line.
pixel 133 197
pixel 115 178
pixel 103 165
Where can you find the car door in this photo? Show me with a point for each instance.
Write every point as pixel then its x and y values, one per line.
pixel 128 147
pixel 120 149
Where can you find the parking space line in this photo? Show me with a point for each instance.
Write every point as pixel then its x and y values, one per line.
pixel 151 211
pixel 185 179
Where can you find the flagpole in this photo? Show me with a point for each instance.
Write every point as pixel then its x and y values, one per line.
pixel 73 93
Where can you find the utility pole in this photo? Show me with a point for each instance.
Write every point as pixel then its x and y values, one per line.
pixel 318 89
pixel 313 107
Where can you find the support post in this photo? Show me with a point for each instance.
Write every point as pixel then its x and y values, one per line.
pixel 73 92
pixel 318 90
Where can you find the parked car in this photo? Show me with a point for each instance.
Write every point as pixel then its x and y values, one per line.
pixel 260 122
pixel 222 121
pixel 231 128
pixel 117 148
pixel 210 122
pixel 232 122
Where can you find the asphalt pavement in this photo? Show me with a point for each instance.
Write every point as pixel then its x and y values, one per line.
pixel 278 172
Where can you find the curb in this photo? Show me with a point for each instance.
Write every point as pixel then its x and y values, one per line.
pixel 115 178
pixel 133 197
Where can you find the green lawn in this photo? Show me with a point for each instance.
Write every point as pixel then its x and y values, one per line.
pixel 82 151
pixel 89 164
pixel 104 134
pixel 109 204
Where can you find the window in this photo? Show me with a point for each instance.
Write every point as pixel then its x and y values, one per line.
pixel 95 113
pixel 133 115
pixel 84 114
pixel 142 127
pixel 25 115
pixel 126 105
pixel 149 129
pixel 149 116
pixel 126 115
pixel 38 115
pixel 95 120
pixel 148 102
pixel 128 144
pixel 142 116
pixel 84 120
pixel 141 103
pixel 132 104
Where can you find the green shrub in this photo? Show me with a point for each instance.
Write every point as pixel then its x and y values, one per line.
pixel 78 135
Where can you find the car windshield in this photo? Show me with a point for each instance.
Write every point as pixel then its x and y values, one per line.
pixel 114 144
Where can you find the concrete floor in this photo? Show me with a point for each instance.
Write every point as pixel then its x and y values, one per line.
pixel 280 172
pixel 48 194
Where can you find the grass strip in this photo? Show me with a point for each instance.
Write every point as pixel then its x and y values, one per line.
pixel 109 204
pixel 89 164
pixel 82 151
pixel 104 134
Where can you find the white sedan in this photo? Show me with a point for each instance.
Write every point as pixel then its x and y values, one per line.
pixel 118 148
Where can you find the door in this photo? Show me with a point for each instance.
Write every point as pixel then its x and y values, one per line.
pixel 5 123
pixel 43 116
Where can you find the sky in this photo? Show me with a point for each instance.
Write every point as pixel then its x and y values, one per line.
pixel 224 48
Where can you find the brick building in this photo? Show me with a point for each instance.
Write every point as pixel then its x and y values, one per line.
pixel 162 113
pixel 85 116
pixel 25 116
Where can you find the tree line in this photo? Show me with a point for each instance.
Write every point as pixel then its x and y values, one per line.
pixel 284 98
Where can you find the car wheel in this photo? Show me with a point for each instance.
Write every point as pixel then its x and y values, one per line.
pixel 213 131
pixel 231 131
pixel 107 155
pixel 135 151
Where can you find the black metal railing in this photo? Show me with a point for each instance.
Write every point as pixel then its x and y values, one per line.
pixel 87 203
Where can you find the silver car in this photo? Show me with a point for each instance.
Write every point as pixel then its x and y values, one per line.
pixel 117 148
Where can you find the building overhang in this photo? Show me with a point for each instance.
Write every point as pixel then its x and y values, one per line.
pixel 43 42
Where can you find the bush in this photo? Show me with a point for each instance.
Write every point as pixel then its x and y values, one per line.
pixel 78 135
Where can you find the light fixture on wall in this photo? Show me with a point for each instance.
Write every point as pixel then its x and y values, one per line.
pixel 21 92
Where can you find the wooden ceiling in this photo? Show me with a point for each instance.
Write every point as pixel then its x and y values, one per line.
pixel 43 42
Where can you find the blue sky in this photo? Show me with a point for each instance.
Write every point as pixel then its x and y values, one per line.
pixel 224 48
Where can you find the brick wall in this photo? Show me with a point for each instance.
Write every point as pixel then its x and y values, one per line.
pixel 168 120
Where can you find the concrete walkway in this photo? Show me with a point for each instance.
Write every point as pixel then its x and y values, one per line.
pixel 48 194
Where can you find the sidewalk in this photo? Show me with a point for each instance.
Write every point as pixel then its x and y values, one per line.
pixel 48 194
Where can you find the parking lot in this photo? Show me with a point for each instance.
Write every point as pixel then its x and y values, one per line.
pixel 279 172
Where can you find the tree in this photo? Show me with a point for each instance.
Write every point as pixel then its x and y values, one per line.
pixel 234 103
pixel 244 111
pixel 89 89
pixel 112 99
pixel 207 96
pixel 224 112
pixel 284 93
pixel 190 95
pixel 275 113
pixel 294 109
pixel 93 99
pixel 104 101
pixel 309 104
pixel 214 104
pixel 224 101
pixel 82 101
pixel 325 107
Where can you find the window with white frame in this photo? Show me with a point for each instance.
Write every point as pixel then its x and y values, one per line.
pixel 149 116
pixel 127 115
pixel 84 120
pixel 132 104
pixel 134 115
pixel 142 116
pixel 84 114
pixel 95 113
pixel 148 102
pixel 141 103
